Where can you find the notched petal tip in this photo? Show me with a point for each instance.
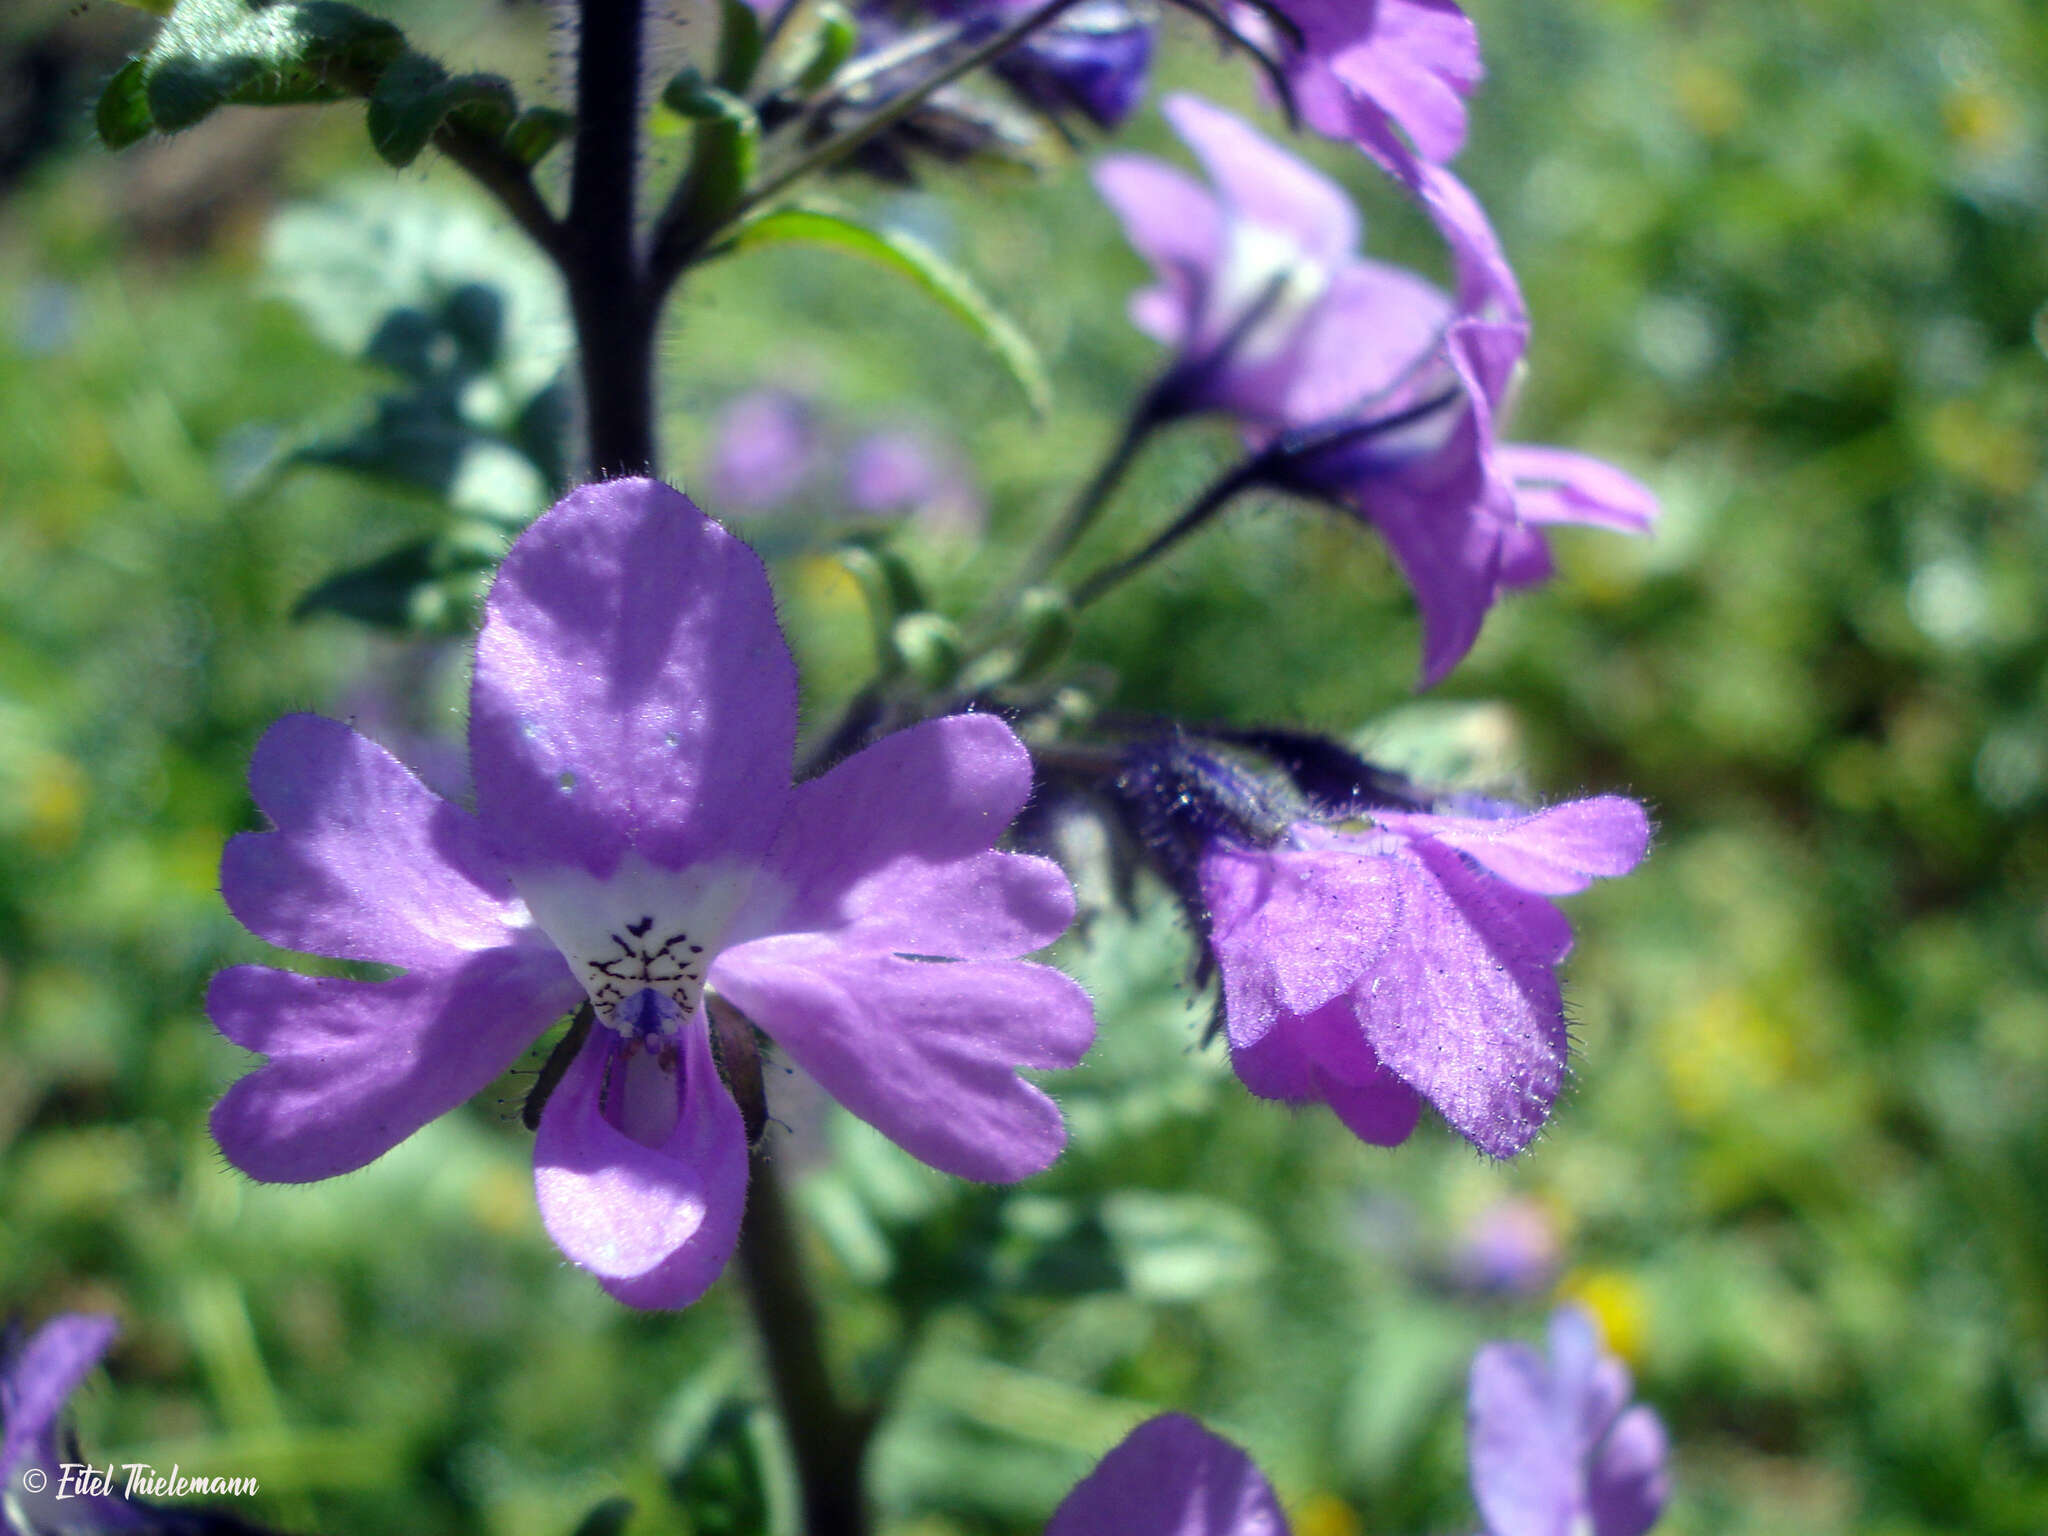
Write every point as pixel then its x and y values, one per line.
pixel 354 1067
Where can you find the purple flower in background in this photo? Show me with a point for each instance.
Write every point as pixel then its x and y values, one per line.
pixel 1410 444
pixel 1093 59
pixel 1407 957
pixel 1366 68
pixel 764 445
pixel 1254 272
pixel 1171 1477
pixel 637 842
pixel 1553 1453
pixel 36 1380
pixel 1508 1249
pixel 902 472
pixel 1368 387
pixel 1555 1449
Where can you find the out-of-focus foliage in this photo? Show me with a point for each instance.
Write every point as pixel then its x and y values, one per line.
pixel 1788 262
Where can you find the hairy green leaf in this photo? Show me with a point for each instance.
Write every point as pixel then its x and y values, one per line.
pixel 416 96
pixel 430 585
pixel 122 116
pixel 740 45
pixel 213 53
pixel 536 131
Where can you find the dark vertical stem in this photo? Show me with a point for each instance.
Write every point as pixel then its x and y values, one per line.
pixel 827 1440
pixel 607 287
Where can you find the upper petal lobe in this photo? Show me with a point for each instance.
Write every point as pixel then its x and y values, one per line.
pixel 893 845
pixel 632 689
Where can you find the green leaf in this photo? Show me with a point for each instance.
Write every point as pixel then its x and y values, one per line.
pixel 721 1480
pixel 123 113
pixel 428 585
pixel 536 131
pixel 740 45
pixel 398 275
pixel 409 445
pixel 911 258
pixel 723 148
pixel 213 53
pixel 690 95
pixel 607 1519
pixel 416 96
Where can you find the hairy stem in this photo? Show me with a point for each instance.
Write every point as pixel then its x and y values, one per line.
pixel 1144 420
pixel 608 294
pixel 1221 491
pixel 827 1440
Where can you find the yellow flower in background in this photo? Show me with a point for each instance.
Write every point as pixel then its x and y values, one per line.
pixel 1720 1051
pixel 1324 1514
pixel 1618 1304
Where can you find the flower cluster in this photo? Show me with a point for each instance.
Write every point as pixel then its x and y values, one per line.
pixel 639 855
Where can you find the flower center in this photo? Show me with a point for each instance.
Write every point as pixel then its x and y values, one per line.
pixel 647 986
pixel 1265 289
pixel 641 940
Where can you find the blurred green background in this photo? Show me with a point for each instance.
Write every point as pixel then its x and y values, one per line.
pixel 1786 262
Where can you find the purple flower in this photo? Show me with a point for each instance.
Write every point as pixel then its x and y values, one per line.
pixel 45 1490
pixel 637 842
pixel 764 446
pixel 36 1380
pixel 1555 1449
pixel 1171 1477
pixel 1366 386
pixel 1252 274
pixel 901 472
pixel 1508 1249
pixel 36 1498
pixel 1409 956
pixel 1410 444
pixel 1093 59
pixel 1553 1453
pixel 1366 68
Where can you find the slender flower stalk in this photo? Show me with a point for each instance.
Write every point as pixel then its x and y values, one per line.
pixel 827 1440
pixel 1145 419
pixel 1219 493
